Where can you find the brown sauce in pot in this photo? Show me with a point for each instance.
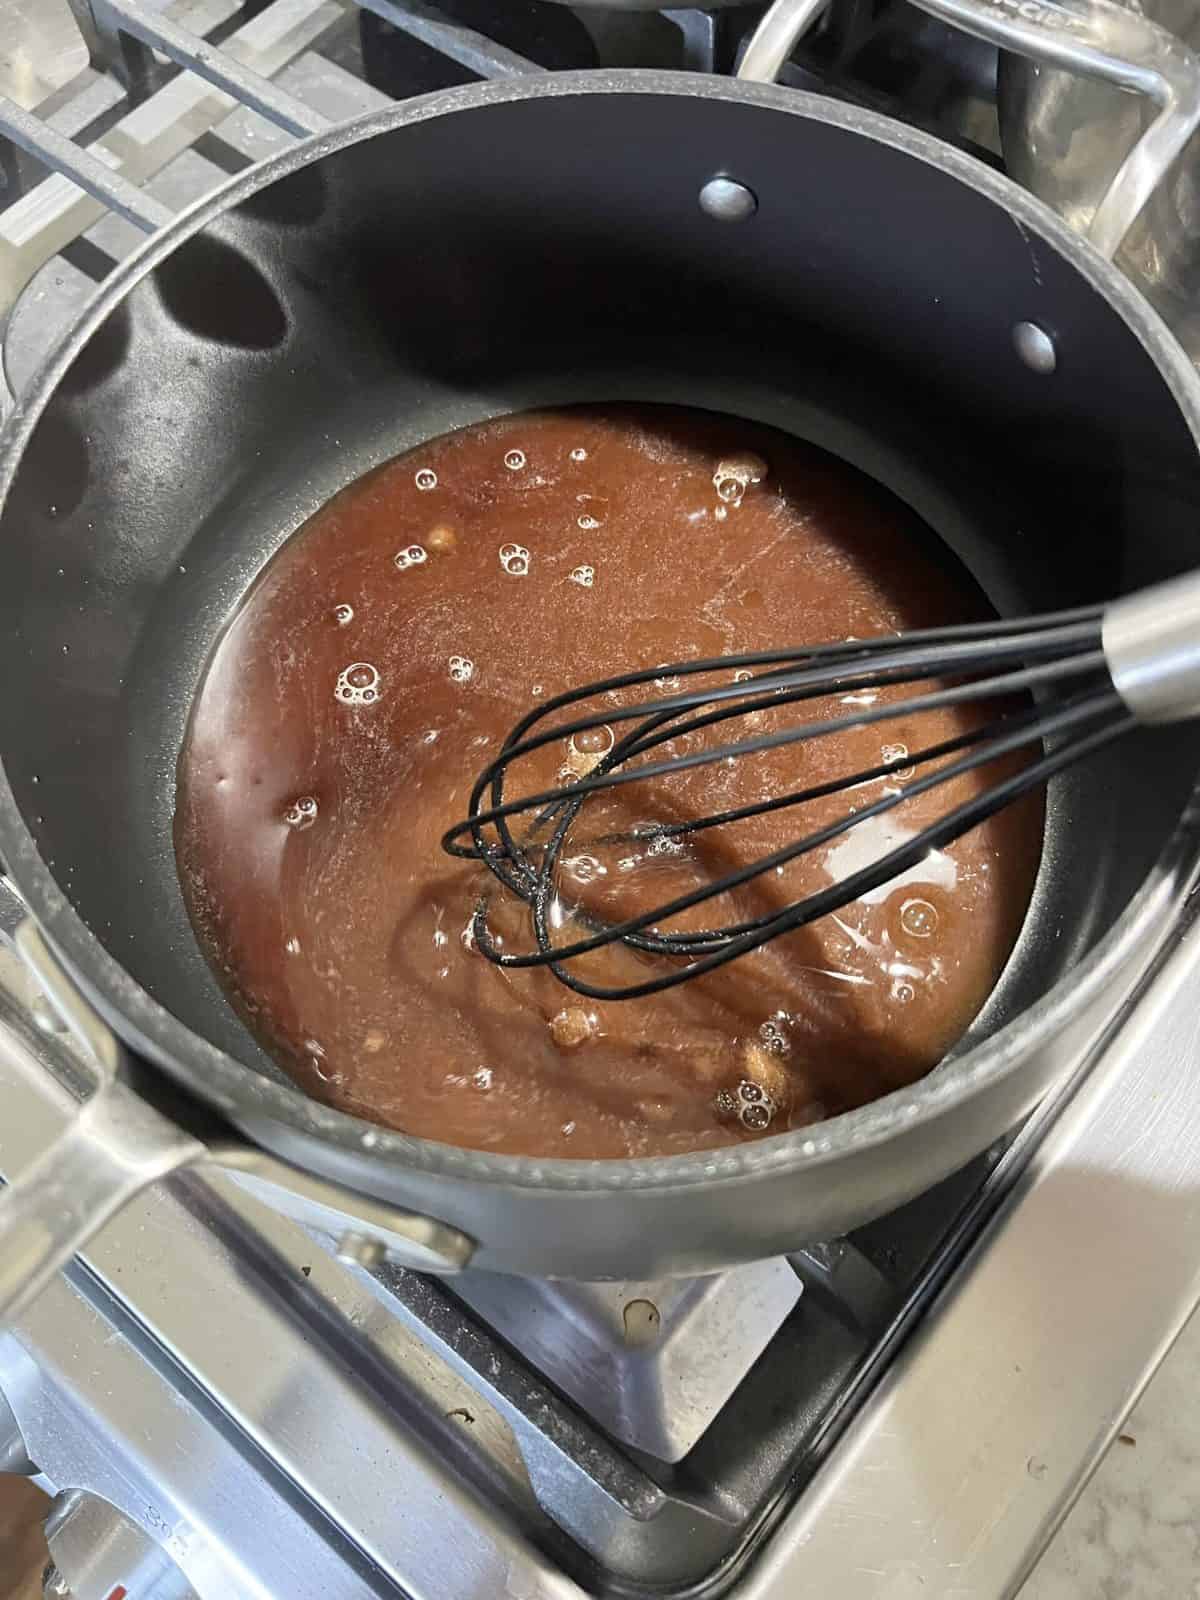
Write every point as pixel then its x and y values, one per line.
pixel 393 642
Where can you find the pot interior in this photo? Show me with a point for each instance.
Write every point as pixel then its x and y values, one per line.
pixel 542 250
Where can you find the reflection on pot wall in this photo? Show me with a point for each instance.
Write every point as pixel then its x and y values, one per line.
pixel 1065 138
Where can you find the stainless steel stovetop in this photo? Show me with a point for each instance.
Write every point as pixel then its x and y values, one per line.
pixel 226 1406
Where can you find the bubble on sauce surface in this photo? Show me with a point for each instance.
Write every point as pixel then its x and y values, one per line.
pixel 748 1103
pixel 593 741
pixel 579 453
pixel 587 748
pixel 587 522
pixel 585 577
pixel 426 479
pixel 514 460
pixel 302 813
pixel 462 669
pixel 358 684
pixel 482 1079
pixel 584 868
pixel 734 474
pixel 343 615
pixel 411 556
pixel 918 918
pixel 514 558
pixel 774 1036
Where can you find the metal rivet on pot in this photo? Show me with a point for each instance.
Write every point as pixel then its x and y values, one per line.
pixel 1035 347
pixel 360 1250
pixel 725 200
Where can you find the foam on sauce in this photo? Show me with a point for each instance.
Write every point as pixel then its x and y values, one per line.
pixel 393 642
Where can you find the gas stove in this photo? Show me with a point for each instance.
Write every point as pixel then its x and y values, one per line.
pixel 224 1403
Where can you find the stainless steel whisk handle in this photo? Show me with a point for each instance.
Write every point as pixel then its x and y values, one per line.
pixel 1151 642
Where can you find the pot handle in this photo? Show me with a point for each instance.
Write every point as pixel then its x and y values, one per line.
pixel 116 1145
pixel 1095 38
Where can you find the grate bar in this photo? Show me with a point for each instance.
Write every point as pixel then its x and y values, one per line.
pixel 76 115
pixel 192 52
pixel 88 171
pixel 472 50
pixel 149 136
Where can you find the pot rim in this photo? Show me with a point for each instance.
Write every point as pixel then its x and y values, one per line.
pixel 247 1095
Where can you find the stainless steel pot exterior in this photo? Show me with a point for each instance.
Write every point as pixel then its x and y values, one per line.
pixel 504 246
pixel 118 1145
pixel 1065 136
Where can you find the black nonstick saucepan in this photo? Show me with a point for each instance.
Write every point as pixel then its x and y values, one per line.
pixel 496 248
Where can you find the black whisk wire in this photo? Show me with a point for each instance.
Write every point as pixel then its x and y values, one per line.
pixel 907 657
pixel 888 866
pixel 1033 658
